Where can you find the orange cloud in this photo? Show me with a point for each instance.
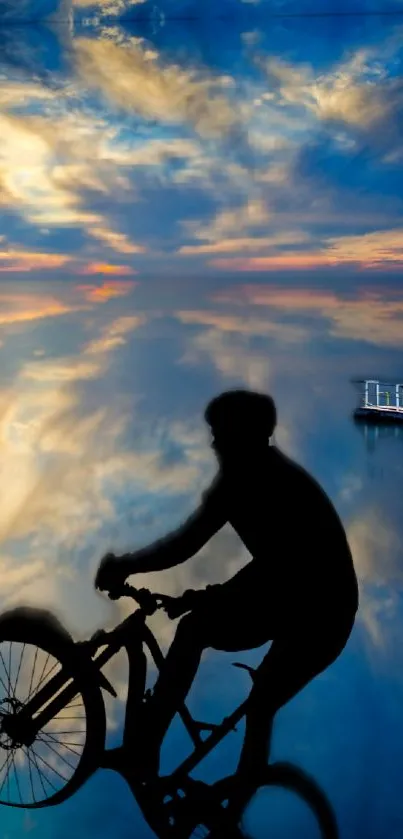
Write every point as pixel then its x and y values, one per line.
pixel 287 262
pixel 21 307
pixel 106 268
pixel 379 249
pixel 106 291
pixel 30 260
pixel 117 241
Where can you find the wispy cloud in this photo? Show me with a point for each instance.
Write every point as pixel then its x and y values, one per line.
pixel 119 242
pixel 366 315
pixel 243 325
pixel 20 307
pixel 108 7
pixel 41 414
pixel 380 249
pixel 19 259
pixel 257 243
pixel 136 80
pixel 376 550
pixel 53 194
pixel 357 91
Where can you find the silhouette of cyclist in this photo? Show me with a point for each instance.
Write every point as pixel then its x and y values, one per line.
pixel 299 590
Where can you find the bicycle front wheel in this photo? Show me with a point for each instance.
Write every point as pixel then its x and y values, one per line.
pixel 35 653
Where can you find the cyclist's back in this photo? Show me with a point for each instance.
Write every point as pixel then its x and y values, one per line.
pixel 301 558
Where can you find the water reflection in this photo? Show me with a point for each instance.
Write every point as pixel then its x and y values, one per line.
pixel 374 434
pixel 189 206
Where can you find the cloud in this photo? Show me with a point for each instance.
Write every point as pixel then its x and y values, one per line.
pixel 355 92
pixel 65 460
pixel 106 268
pixel 243 325
pixel 231 358
pixel 288 262
pixel 246 244
pixel 106 291
pixel 379 249
pixel 18 259
pixel 227 349
pixel 15 577
pixel 233 220
pixel 59 371
pixel 52 160
pixel 80 367
pixel 116 241
pixel 222 235
pixel 23 307
pixel 131 78
pixel 67 510
pixel 14 93
pixel 33 188
pixel 376 249
pixel 367 315
pixel 376 550
pixel 155 152
pixel 112 334
pixel 108 7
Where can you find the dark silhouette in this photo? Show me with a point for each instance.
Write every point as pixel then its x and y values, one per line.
pixel 299 590
pixel 53 726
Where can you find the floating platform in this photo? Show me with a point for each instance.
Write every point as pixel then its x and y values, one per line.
pixel 381 402
pixel 379 415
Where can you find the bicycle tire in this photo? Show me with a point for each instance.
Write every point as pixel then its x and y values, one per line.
pixel 291 778
pixel 40 630
pixel 286 776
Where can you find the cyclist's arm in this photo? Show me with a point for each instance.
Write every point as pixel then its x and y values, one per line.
pixel 184 542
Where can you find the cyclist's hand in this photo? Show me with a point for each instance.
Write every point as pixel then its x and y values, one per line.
pixel 174 606
pixel 111 575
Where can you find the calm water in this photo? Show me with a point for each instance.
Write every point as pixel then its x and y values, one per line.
pixel 189 206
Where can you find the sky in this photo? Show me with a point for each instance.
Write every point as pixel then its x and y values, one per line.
pixel 188 205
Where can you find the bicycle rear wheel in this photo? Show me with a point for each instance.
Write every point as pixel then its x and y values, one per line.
pixel 282 775
pixel 34 649
pixel 294 780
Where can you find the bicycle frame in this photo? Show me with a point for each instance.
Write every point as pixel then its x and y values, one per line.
pixel 193 727
pixel 82 664
pixel 132 634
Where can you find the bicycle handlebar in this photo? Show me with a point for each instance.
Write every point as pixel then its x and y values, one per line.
pixel 147 600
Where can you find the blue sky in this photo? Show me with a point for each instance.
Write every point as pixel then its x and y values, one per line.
pixel 187 207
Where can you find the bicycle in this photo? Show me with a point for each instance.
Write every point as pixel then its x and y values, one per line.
pixel 57 723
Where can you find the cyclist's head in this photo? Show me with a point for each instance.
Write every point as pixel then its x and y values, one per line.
pixel 240 419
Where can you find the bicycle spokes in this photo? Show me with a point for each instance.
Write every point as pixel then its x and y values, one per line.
pixel 33 769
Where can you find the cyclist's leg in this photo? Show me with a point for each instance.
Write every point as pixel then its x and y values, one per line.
pixel 215 624
pixel 287 668
pixel 177 674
